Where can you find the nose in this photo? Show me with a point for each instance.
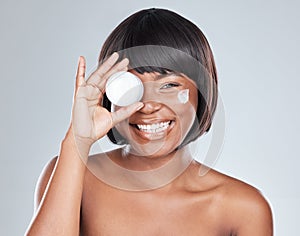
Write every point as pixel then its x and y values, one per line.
pixel 149 99
pixel 150 107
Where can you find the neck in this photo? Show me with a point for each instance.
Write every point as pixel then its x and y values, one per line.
pixel 143 174
pixel 131 161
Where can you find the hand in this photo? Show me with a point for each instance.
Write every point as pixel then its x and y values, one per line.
pixel 91 121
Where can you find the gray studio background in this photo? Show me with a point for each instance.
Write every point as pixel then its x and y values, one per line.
pixel 256 46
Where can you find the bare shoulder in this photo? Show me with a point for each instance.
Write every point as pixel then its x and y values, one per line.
pixel 244 206
pixel 43 181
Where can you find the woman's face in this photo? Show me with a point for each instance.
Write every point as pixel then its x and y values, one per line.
pixel 170 104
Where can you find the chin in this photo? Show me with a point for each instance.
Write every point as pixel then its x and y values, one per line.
pixel 155 140
pixel 151 150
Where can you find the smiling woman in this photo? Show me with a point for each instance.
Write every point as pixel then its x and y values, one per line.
pixel 169 31
pixel 150 185
pixel 161 108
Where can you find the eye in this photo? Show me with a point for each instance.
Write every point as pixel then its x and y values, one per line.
pixel 169 85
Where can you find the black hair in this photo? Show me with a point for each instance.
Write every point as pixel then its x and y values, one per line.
pixel 164 29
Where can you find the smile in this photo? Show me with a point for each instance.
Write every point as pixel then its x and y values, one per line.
pixel 154 128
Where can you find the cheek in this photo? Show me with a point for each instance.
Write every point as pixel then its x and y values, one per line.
pixel 186 114
pixel 187 101
pixel 187 111
pixel 194 98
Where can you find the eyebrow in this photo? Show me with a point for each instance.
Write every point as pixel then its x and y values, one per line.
pixel 161 76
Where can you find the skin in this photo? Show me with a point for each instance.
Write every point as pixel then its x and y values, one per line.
pixel 70 200
pixel 156 147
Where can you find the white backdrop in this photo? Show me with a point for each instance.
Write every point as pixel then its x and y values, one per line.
pixel 256 46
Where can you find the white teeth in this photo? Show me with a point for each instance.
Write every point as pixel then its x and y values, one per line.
pixel 154 128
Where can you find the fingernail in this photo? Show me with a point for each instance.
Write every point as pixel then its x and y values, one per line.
pixel 140 105
pixel 115 54
pixel 125 59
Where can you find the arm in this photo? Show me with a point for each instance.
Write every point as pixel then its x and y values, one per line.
pixel 58 194
pixel 59 189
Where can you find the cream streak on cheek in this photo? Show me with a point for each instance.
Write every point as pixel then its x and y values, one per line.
pixel 183 96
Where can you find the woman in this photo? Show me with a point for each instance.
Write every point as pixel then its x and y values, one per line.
pixel 91 196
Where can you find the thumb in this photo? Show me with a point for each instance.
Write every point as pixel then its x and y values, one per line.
pixel 80 75
pixel 125 112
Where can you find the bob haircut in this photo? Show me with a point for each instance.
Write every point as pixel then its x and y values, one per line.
pixel 165 28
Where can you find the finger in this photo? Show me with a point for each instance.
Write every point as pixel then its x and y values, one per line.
pixel 121 66
pixel 125 112
pixel 97 75
pixel 80 72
